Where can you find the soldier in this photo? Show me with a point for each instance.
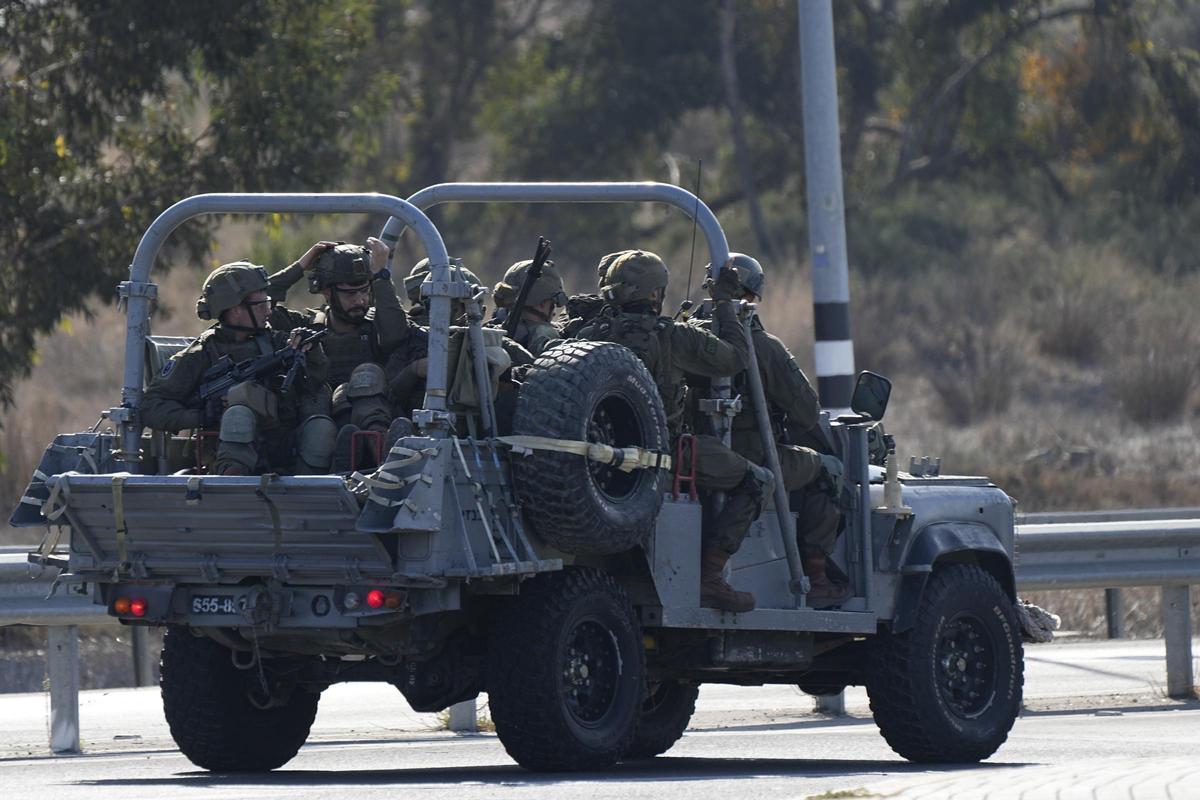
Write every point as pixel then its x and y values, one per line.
pixel 535 330
pixel 259 428
pixel 366 323
pixel 418 312
pixel 635 285
pixel 583 308
pixel 794 409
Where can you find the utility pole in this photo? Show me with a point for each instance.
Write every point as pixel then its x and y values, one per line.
pixel 826 211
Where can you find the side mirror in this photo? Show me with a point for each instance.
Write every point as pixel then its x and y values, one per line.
pixel 871 394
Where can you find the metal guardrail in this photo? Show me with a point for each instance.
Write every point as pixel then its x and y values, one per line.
pixel 1067 550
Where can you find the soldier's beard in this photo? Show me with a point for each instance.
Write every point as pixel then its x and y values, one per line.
pixel 352 314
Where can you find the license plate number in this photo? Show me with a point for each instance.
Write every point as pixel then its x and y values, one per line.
pixel 214 604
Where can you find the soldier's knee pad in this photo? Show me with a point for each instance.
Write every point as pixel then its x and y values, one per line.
pixel 367 380
pixel 239 424
pixel 340 402
pixel 314 441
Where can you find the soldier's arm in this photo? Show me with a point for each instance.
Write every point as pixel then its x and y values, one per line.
pixel 391 323
pixel 284 319
pixel 172 401
pixel 279 283
pixel 788 387
pixel 700 352
pixel 316 363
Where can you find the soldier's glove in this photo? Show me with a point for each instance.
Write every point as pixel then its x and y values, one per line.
pixel 303 332
pixel 830 479
pixel 726 286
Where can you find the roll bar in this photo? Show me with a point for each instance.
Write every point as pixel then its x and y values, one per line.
pixel 138 291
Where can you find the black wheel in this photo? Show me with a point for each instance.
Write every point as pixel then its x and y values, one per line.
pixel 949 689
pixel 596 392
pixel 213 709
pixel 566 671
pixel 666 712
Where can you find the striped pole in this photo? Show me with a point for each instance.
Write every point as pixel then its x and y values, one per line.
pixel 826 216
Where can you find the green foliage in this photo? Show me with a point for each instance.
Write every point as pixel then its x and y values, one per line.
pixel 109 114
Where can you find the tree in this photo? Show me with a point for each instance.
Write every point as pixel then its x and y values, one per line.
pixel 111 112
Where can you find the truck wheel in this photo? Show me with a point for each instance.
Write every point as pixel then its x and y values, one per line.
pixel 566 671
pixel 949 689
pixel 595 392
pixel 666 712
pixel 207 701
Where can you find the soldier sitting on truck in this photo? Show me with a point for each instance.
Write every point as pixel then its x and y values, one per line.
pixel 810 476
pixel 583 308
pixel 535 330
pixel 418 312
pixel 366 322
pixel 260 427
pixel 634 286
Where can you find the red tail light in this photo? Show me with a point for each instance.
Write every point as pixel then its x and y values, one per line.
pixel 137 607
pixel 375 598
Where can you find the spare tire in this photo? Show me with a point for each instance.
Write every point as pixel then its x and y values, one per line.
pixel 596 392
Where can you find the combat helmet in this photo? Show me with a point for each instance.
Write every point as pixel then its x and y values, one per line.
pixel 750 273
pixel 342 263
pixel 633 277
pixel 548 286
pixel 227 285
pixel 412 283
pixel 605 263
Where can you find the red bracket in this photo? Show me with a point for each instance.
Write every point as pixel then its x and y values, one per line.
pixel 685 466
pixel 369 439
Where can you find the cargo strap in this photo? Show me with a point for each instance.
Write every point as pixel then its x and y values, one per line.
pixel 385 478
pixel 118 496
pixel 626 459
pixel 276 527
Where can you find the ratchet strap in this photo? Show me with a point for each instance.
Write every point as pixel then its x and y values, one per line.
pixel 626 459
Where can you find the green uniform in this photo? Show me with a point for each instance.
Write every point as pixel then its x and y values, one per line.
pixel 361 401
pixel 172 401
pixel 791 399
pixel 671 350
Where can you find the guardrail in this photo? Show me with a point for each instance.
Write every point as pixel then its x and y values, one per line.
pixel 1062 550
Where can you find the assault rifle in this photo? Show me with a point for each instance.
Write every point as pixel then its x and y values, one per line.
pixel 540 256
pixel 225 374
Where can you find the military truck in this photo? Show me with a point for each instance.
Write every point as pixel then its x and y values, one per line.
pixel 550 560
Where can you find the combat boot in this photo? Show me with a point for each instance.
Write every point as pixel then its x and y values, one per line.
pixel 341 450
pixel 715 592
pixel 824 592
pixel 400 427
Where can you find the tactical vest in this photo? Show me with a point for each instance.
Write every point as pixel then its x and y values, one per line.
pixel 263 344
pixel 346 351
pixel 649 337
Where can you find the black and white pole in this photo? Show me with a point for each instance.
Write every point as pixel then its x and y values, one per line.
pixel 826 218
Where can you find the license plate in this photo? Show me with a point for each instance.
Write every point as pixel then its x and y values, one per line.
pixel 214 604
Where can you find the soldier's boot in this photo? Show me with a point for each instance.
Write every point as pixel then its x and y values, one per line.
pixel 400 427
pixel 824 592
pixel 341 450
pixel 715 591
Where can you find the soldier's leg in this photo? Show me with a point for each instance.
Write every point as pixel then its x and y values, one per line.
pixel 720 469
pixel 314 445
pixel 237 453
pixel 367 392
pixel 817 531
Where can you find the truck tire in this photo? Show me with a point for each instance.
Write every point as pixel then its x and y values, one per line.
pixel 566 672
pixel 666 712
pixel 207 703
pixel 949 689
pixel 597 392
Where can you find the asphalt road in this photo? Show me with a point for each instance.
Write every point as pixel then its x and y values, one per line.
pixel 1096 725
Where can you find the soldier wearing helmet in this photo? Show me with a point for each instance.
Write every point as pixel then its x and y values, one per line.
pixel 366 323
pixel 259 427
pixel 634 285
pixel 583 308
pixel 794 409
pixel 418 312
pixel 535 330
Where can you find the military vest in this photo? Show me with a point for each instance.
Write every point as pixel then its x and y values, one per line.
pixel 649 337
pixel 346 351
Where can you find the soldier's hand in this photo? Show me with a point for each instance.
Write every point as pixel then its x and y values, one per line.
pixel 726 286
pixel 380 253
pixel 310 256
pixel 299 335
